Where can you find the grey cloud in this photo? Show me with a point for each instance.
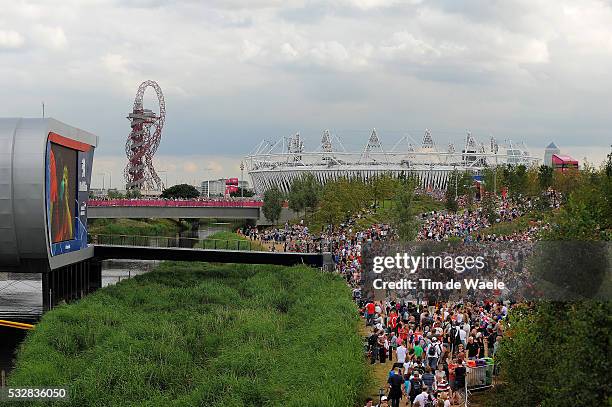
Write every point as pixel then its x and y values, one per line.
pixel 236 72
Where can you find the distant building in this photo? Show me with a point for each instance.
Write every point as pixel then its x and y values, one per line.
pixel 549 151
pixel 149 193
pixel 216 188
pixel 563 162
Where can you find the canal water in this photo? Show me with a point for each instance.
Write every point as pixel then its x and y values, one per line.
pixel 21 294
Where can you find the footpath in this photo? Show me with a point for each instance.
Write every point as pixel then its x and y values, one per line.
pixel 380 373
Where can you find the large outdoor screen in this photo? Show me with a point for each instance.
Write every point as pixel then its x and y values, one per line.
pixel 62 192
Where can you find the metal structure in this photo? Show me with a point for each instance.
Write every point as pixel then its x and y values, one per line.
pixel 43 217
pixel 141 145
pixel 277 164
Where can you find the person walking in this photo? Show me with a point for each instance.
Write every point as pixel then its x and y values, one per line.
pixel 400 354
pixel 416 385
pixel 396 384
pixel 429 379
pixel 373 344
pixel 382 349
pixel 433 353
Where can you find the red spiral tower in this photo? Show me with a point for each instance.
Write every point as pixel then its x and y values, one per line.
pixel 141 144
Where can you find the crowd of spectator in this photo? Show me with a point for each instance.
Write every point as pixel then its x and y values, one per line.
pixel 442 225
pixel 344 242
pixel 431 345
pixel 431 348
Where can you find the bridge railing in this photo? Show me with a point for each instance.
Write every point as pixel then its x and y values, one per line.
pixel 163 203
pixel 199 243
pixel 176 241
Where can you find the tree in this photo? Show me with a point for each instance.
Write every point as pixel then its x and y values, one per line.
pixel 383 187
pixel 296 196
pixel 515 179
pixel 566 181
pixel 272 204
pixel 493 178
pixel 342 198
pixel 465 186
pixel 533 370
pixel 450 202
pixel 114 194
pixel 587 214
pixel 489 207
pixel 180 191
pixel 405 221
pixel 331 210
pixel 452 188
pixel 304 193
pixel 545 176
pixel 533 187
pixel 572 262
pixel 311 191
pixel 521 179
pixel 242 192
pixel 133 193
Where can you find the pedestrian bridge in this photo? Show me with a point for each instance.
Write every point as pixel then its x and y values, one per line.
pixel 322 260
pixel 195 249
pixel 187 209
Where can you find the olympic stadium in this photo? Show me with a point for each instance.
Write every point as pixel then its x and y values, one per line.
pixel 277 164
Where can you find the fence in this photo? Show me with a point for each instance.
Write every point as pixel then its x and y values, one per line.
pixel 181 242
pixel 172 203
pixel 197 243
pixel 479 378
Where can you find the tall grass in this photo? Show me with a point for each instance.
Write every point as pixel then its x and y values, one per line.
pixel 229 241
pixel 519 224
pixel 140 227
pixel 193 334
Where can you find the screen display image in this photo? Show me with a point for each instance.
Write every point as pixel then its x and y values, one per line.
pixel 62 192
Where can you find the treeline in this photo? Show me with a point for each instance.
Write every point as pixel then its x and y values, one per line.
pixel 341 199
pixel 558 353
pixel 517 180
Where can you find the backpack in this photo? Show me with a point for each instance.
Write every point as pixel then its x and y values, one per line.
pixel 429 402
pixel 431 352
pixel 373 340
pixel 415 386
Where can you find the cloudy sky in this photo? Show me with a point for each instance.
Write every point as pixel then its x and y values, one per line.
pixel 236 72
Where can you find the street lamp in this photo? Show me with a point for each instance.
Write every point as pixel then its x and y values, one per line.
pixel 110 180
pixel 103 177
pixel 455 172
pixel 381 392
pixel 241 179
pixel 495 181
pixel 165 177
pixel 207 176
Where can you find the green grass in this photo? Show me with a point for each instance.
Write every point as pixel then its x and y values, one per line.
pixel 229 241
pixel 138 227
pixel 193 334
pixel 385 212
pixel 522 223
pixel 425 203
